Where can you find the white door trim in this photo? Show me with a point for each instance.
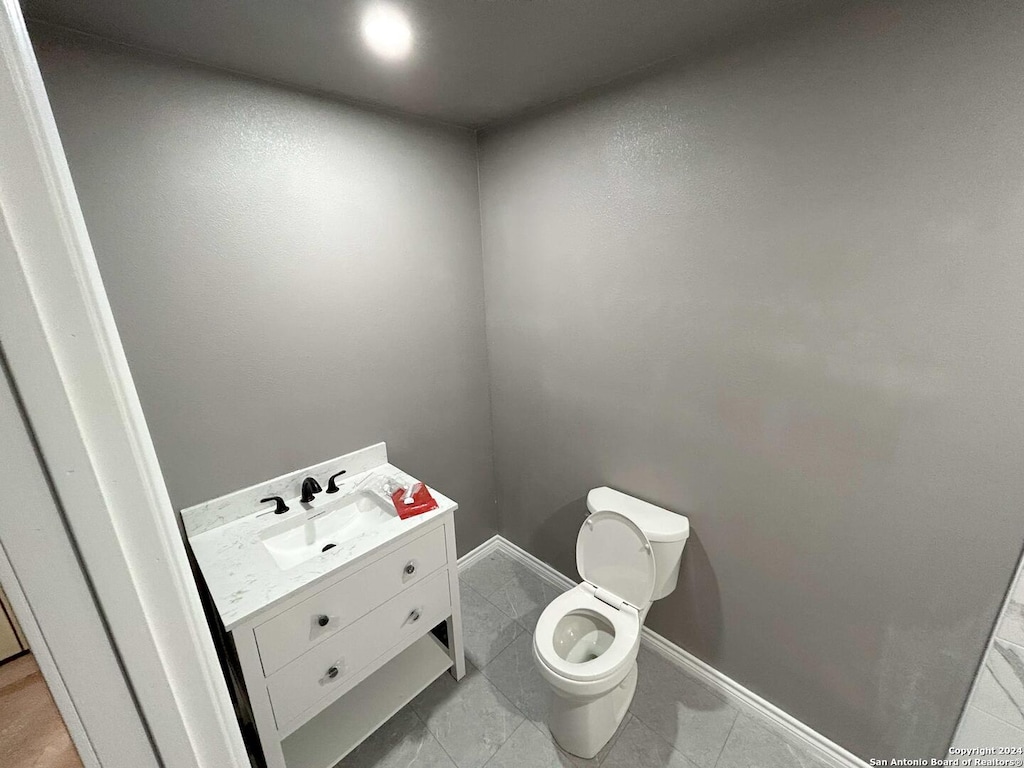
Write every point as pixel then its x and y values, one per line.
pixel 67 637
pixel 69 369
pixel 47 665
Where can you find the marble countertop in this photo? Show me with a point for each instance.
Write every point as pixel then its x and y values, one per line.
pixel 244 579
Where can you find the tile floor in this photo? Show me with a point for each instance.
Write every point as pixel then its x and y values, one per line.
pixel 995 714
pixel 495 717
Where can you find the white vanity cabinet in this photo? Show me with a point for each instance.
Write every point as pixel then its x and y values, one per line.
pixel 361 641
pixel 330 650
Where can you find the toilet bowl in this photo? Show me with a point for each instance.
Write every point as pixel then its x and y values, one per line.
pixel 586 640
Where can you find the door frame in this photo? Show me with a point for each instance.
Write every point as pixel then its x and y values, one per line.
pixel 47 665
pixel 76 395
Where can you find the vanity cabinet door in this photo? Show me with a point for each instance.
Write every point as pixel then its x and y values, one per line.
pixel 319 677
pixel 293 632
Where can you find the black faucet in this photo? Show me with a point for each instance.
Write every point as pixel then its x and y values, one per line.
pixel 332 486
pixel 281 506
pixel 310 487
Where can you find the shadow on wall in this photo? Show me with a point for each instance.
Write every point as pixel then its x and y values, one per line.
pixel 550 540
pixel 692 614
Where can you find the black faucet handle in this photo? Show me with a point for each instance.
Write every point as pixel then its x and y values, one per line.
pixel 332 487
pixel 281 506
pixel 310 487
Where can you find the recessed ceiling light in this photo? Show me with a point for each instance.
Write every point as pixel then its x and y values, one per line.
pixel 387 32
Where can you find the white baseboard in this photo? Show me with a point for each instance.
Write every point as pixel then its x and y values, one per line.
pixel 478 554
pixel 740 697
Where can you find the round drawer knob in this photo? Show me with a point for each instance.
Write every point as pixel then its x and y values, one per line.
pixel 332 672
pixel 410 568
pixel 415 615
pixel 322 620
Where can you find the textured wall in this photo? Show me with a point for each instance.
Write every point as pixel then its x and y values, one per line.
pixel 779 290
pixel 258 246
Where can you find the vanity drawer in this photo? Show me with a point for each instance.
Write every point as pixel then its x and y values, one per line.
pixel 292 633
pixel 324 670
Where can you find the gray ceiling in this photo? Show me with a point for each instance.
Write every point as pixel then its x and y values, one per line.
pixel 474 62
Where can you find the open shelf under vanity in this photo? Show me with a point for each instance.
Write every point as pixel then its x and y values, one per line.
pixel 340 728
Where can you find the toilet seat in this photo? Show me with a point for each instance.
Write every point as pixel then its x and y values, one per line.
pixel 625 623
pixel 614 558
pixel 614 555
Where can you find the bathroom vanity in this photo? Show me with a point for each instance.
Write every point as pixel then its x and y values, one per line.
pixel 339 611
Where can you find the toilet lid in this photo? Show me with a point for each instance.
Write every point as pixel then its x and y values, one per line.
pixel 612 553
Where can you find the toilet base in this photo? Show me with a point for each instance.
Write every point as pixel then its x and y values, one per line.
pixel 583 726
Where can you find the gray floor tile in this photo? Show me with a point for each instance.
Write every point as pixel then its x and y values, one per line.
pixel 470 718
pixel 1000 690
pixel 486 631
pixel 487 575
pixel 689 716
pixel 524 596
pixel 754 744
pixel 529 747
pixel 1011 627
pixel 980 729
pixel 639 747
pixel 674 721
pixel 599 758
pixel 514 672
pixel 402 742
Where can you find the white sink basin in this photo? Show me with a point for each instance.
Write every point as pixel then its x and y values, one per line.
pixel 298 539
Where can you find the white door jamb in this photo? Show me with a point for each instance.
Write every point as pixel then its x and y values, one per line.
pixel 68 366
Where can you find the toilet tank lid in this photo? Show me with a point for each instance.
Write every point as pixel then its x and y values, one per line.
pixel 657 524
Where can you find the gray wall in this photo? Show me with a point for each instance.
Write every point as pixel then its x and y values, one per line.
pixel 258 246
pixel 780 290
pixel 777 289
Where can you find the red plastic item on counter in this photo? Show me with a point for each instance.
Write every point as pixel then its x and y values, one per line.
pixel 422 502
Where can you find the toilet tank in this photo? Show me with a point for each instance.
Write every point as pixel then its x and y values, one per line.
pixel 666 531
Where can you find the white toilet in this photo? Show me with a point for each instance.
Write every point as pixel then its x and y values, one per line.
pixel 586 641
